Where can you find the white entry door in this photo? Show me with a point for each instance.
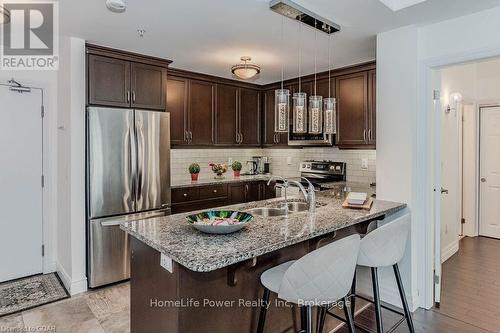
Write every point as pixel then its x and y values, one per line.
pixel 489 222
pixel 20 184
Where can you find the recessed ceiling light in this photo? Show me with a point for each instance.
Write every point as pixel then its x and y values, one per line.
pixel 116 6
pixel 4 15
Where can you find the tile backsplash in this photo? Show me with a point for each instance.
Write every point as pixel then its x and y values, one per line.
pixel 284 162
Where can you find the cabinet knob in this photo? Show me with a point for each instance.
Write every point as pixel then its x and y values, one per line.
pixel 215 191
pixel 185 195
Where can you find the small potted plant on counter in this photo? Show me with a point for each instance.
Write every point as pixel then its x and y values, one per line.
pixel 236 166
pixel 194 170
pixel 219 169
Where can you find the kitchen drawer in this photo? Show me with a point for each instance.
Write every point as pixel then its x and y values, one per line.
pixel 213 191
pixel 198 205
pixel 185 194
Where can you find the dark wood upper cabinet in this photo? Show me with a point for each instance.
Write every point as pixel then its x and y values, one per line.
pixel 322 88
pixel 270 137
pixel 122 79
pixel 177 105
pixel 249 117
pixel 201 112
pixel 352 109
pixel 372 107
pixel 108 81
pixel 227 115
pixel 148 84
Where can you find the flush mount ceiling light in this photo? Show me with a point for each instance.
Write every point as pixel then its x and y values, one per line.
pixel 116 6
pixel 245 70
pixel 4 15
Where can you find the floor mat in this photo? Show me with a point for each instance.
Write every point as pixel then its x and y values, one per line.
pixel 29 292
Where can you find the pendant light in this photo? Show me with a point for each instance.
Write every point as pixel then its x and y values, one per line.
pixel 315 101
pixel 300 98
pixel 281 98
pixel 330 103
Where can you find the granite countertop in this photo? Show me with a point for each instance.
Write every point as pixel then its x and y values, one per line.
pixel 173 236
pixel 210 180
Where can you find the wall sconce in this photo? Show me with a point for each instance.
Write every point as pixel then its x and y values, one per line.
pixel 454 100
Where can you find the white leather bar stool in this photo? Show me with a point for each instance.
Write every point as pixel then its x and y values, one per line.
pixel 321 277
pixel 384 247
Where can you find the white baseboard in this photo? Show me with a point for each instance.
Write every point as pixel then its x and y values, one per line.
pixel 73 287
pixel 449 251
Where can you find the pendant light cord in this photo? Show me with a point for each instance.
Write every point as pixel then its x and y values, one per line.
pixel 315 54
pixel 329 67
pixel 300 55
pixel 282 53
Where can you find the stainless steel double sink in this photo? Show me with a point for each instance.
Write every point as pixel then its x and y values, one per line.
pixel 293 207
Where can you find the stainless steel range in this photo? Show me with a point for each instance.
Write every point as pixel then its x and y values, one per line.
pixel 320 172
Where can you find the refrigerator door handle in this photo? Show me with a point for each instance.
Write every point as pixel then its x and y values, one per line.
pixel 139 123
pixel 133 161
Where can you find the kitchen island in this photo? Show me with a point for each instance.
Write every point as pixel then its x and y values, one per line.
pixel 211 283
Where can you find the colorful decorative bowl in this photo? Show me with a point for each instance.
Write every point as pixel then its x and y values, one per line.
pixel 220 221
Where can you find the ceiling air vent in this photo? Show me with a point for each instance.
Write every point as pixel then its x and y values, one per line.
pixel 291 10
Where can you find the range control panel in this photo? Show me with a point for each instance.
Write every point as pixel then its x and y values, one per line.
pixel 323 167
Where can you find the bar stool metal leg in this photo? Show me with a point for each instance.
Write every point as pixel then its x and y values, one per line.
pixel 321 318
pixel 376 298
pixel 406 308
pixel 348 317
pixel 263 311
pixel 308 325
pixel 353 295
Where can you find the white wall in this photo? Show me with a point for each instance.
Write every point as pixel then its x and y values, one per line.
pixel 396 112
pixel 71 165
pixel 404 109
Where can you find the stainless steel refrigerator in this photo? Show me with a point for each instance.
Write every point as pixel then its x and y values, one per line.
pixel 128 178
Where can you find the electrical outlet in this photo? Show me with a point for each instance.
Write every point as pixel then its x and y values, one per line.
pixel 289 160
pixel 230 161
pixel 166 263
pixel 364 163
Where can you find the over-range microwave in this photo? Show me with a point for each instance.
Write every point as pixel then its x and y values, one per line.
pixel 306 139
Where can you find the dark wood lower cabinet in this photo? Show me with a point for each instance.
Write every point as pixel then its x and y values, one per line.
pixel 155 293
pixel 188 199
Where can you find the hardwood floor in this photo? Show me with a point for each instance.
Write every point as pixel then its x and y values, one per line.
pixel 471 284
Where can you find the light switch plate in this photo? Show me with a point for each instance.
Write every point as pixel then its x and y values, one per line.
pixel 166 262
pixel 364 163
pixel 289 160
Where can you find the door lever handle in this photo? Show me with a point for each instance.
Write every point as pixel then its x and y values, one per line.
pixel 444 191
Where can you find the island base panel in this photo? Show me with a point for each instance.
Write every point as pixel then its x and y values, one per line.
pixel 203 294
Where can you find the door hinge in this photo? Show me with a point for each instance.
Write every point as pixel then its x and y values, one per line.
pixel 43 250
pixel 43 181
pixel 436 95
pixel 462 221
pixel 437 278
pixel 42 112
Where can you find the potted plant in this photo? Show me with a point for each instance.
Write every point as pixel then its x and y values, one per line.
pixel 236 166
pixel 194 170
pixel 219 169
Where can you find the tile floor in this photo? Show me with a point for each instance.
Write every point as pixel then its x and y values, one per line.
pixel 99 311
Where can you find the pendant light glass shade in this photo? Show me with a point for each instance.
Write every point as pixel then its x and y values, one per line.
pixel 281 110
pixel 315 114
pixel 300 112
pixel 330 110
